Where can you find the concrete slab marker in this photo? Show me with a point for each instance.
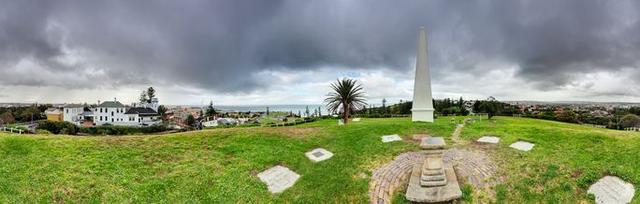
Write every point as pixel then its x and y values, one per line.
pixel 489 139
pixel 391 138
pixel 318 154
pixel 522 146
pixel 278 178
pixel 611 189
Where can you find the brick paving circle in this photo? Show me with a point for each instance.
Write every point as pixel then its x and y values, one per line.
pixel 393 177
pixel 474 166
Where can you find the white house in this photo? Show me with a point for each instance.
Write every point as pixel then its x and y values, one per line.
pixel 110 112
pixel 73 113
pixel 142 116
pixel 113 113
pixel 220 121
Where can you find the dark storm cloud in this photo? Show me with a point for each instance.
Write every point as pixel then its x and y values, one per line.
pixel 218 45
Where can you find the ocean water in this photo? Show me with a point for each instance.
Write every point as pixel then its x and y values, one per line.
pixel 273 108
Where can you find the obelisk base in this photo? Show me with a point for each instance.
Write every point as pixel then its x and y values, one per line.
pixel 421 194
pixel 433 181
pixel 422 115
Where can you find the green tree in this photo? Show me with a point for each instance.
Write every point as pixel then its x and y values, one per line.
pixel 567 116
pixel 210 110
pixel 630 120
pixel 307 111
pixel 6 118
pixel 143 97
pixel 347 96
pixel 151 93
pixel 490 106
pixel 384 105
pixel 191 121
pixel 162 111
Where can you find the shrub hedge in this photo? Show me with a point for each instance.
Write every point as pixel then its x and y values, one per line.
pixel 71 129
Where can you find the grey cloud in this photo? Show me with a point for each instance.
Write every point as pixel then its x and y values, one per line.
pixel 217 45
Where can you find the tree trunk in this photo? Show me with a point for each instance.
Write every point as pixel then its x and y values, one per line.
pixel 345 113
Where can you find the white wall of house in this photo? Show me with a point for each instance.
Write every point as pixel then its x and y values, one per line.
pixel 211 123
pixel 72 115
pixel 137 120
pixel 110 115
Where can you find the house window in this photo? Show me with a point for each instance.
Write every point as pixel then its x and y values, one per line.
pixel 100 118
pixel 106 118
pixel 111 113
pixel 67 111
pixel 111 119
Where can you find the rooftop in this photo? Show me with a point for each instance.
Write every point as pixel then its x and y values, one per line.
pixel 143 111
pixel 111 104
pixel 71 105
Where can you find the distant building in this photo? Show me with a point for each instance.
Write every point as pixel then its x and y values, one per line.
pixel 112 113
pixel 54 114
pixel 142 116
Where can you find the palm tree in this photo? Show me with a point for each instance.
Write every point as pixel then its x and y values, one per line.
pixel 347 96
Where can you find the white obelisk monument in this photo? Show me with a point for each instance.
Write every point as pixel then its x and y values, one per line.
pixel 422 101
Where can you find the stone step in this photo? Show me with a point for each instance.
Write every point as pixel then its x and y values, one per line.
pixel 433 183
pixel 432 172
pixel 434 152
pixel 433 178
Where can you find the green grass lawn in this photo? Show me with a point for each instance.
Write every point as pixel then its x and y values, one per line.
pixel 220 165
pixel 566 159
pixel 211 166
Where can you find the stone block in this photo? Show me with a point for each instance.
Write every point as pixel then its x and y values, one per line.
pixel 430 143
pixel 432 164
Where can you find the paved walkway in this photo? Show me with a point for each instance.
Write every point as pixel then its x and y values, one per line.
pixel 456 133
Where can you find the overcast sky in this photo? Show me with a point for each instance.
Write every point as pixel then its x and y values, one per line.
pixel 287 52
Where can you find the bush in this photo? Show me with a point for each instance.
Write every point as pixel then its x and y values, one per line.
pixel 56 127
pixel 71 129
pixel 122 130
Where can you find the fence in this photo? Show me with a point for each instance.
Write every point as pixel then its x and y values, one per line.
pixel 11 130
